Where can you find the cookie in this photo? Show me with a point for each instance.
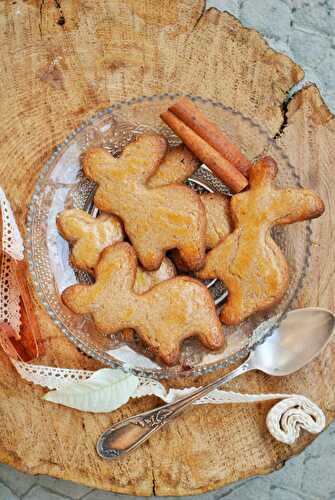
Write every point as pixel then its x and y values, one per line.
pixel 147 279
pixel 178 165
pixel 219 224
pixel 155 219
pixel 88 235
pixel 163 317
pixel 248 261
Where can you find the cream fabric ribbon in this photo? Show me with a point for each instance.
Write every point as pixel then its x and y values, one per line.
pixel 284 421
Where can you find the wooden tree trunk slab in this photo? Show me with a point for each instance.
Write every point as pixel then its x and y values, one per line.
pixel 55 74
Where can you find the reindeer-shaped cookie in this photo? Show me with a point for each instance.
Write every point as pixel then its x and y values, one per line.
pixel 156 219
pixel 163 317
pixel 248 261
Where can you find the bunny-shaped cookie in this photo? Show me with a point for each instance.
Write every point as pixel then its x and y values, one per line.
pixel 156 219
pixel 89 236
pixel 163 316
pixel 248 261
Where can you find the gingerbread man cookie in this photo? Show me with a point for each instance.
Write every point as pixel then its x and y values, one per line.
pixel 248 261
pixel 156 219
pixel 163 316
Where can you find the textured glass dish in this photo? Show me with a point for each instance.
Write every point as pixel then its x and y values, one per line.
pixel 62 185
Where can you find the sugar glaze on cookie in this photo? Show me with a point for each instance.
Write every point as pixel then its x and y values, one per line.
pixel 163 317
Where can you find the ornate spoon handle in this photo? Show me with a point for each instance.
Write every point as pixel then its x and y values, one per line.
pixel 130 433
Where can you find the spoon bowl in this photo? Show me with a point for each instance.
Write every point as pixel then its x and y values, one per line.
pixel 299 338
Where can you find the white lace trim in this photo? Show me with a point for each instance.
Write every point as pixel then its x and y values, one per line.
pixel 12 248
pixel 288 417
pixel 12 243
pixel 50 377
pixel 284 420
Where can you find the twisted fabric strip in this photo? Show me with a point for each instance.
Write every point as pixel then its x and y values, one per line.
pixel 288 417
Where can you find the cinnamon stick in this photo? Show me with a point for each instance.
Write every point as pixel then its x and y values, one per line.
pixel 194 118
pixel 229 174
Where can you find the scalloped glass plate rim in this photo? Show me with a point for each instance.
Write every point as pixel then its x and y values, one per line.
pixel 165 372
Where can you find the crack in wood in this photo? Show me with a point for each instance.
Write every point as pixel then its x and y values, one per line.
pixel 61 20
pixel 284 109
pixel 41 18
pixel 153 492
pixel 197 21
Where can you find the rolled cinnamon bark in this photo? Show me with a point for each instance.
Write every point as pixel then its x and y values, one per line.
pixel 206 153
pixel 194 118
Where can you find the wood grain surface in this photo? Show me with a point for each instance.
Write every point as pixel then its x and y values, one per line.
pixel 59 63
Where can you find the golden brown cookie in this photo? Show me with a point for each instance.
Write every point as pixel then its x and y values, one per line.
pixel 178 165
pixel 219 224
pixel 248 261
pixel 155 219
pixel 147 279
pixel 163 316
pixel 88 235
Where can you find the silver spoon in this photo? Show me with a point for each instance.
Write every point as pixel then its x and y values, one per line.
pixel 300 338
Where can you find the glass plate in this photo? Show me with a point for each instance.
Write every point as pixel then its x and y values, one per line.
pixel 62 185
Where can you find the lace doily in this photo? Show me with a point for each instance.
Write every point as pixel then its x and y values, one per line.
pixel 284 420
